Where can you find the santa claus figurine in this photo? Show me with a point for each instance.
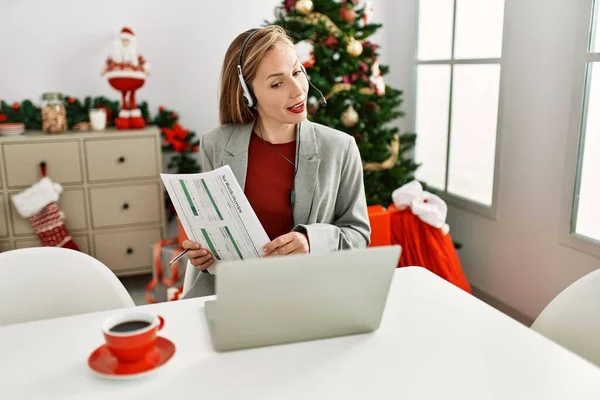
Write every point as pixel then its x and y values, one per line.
pixel 126 71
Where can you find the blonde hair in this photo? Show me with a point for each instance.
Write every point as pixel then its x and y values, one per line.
pixel 232 109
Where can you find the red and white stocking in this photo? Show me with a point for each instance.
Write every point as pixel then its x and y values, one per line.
pixel 39 204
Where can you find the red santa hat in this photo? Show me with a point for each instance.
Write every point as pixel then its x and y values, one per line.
pixel 127 33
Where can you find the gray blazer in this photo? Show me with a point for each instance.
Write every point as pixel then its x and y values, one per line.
pixel 330 204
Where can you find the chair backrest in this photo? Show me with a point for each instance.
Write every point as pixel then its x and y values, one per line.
pixel 49 282
pixel 572 319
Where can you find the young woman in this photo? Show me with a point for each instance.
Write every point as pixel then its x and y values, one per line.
pixel 303 180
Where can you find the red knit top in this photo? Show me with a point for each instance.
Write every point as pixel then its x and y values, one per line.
pixel 269 181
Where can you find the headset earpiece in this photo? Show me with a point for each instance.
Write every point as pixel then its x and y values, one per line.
pixel 249 98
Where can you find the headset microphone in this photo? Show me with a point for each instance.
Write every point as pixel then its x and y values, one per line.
pixel 323 99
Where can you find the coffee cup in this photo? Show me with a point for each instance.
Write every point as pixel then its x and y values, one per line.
pixel 130 335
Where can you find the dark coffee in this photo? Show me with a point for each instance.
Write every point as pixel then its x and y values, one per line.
pixel 130 326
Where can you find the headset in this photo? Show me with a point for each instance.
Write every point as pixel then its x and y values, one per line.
pixel 251 102
pixel 249 98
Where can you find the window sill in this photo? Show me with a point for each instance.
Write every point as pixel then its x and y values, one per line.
pixel 489 212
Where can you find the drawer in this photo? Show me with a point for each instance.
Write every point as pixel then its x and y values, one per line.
pixel 71 203
pixel 125 205
pixel 80 240
pixel 22 161
pixel 5 246
pixel 1 171
pixel 3 216
pixel 113 159
pixel 126 250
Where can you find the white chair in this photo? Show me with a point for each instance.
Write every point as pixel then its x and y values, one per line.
pixel 49 282
pixel 572 319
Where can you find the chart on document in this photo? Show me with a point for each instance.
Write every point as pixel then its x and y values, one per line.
pixel 215 213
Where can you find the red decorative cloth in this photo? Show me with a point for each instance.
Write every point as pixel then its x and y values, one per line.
pixel 418 223
pixel 426 246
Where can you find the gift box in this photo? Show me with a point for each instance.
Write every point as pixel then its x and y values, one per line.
pixel 167 282
pixel 379 220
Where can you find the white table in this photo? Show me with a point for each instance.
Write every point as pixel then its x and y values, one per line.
pixel 435 342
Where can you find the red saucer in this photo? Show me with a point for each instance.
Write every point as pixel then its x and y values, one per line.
pixel 105 364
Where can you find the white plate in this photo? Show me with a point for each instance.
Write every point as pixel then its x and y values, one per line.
pixel 11 133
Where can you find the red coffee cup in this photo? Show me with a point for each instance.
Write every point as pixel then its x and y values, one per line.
pixel 130 335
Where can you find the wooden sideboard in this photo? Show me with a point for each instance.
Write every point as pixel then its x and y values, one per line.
pixel 113 197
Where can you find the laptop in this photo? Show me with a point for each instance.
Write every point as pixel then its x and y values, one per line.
pixel 269 301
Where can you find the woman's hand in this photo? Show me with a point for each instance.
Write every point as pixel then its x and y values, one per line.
pixel 200 257
pixel 290 243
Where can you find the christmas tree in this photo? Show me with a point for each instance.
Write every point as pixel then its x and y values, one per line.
pixel 331 39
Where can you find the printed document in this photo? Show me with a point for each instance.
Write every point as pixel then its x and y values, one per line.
pixel 215 212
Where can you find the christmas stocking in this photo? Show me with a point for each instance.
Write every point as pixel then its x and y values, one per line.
pixel 39 204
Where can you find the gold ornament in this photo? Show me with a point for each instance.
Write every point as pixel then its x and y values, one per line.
pixel 394 149
pixel 304 7
pixel 354 48
pixel 349 117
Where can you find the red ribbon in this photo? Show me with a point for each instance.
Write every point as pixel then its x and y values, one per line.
pixel 157 275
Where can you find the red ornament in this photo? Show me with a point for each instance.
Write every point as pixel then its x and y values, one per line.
pixel 174 115
pixel 71 100
pixel 370 45
pixel 16 106
pixel 161 108
pixel 347 14
pixel 289 5
pixel 331 42
pixel 2 117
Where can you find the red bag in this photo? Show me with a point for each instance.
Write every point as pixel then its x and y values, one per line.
pixel 426 246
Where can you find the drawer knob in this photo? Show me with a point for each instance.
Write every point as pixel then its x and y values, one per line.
pixel 125 206
pixel 121 160
pixel 129 250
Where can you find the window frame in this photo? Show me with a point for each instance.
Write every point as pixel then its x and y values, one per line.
pixel 490 211
pixel 576 134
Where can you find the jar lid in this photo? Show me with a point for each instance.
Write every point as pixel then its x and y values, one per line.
pixel 52 96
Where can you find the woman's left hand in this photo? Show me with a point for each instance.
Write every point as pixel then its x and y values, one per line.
pixel 290 243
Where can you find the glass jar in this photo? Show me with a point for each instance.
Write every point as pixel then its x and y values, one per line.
pixel 54 113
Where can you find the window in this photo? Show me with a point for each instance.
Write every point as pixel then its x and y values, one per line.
pixel 459 49
pixel 586 214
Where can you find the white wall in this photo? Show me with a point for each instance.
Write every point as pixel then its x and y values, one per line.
pixel 62 45
pixel 519 258
pixel 399 26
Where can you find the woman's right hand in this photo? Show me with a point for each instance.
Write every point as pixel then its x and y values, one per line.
pixel 200 257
